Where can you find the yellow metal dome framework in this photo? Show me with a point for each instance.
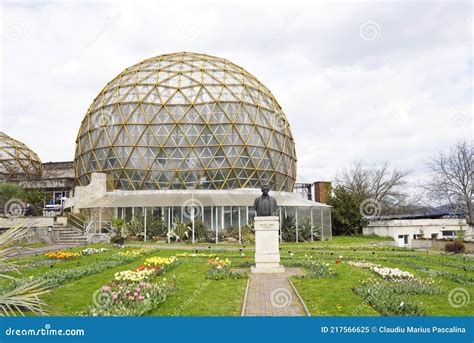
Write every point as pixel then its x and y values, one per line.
pixel 17 161
pixel 186 121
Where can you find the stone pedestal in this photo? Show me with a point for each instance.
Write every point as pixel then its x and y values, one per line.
pixel 267 253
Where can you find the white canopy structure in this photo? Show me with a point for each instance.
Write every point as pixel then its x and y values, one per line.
pixel 234 197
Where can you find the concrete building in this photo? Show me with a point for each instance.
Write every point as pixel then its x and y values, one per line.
pixel 403 229
pixel 56 180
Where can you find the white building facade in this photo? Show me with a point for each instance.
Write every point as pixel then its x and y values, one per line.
pixel 403 231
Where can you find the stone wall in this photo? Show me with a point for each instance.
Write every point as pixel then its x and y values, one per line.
pixel 84 195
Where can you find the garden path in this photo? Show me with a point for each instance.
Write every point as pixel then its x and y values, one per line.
pixel 273 295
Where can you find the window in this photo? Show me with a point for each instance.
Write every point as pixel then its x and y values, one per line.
pixel 447 233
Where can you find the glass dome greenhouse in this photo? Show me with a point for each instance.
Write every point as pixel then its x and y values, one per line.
pixel 186 121
pixel 17 161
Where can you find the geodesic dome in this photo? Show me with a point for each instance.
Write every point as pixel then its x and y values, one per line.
pixel 17 161
pixel 186 120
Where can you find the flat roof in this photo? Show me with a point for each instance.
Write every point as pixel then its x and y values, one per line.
pixel 166 198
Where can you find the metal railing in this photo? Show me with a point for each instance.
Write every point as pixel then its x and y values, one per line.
pixel 99 228
pixel 76 222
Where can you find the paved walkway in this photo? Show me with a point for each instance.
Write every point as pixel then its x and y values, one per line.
pixel 273 295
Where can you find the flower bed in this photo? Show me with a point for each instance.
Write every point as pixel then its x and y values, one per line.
pixel 135 275
pixel 91 251
pixel 185 254
pixel 388 295
pixel 414 286
pixel 57 277
pixel 150 268
pixel 384 299
pixel 62 255
pixel 219 263
pixel 129 299
pixel 391 274
pixel 317 269
pixel 135 253
pixel 157 262
pixel 220 269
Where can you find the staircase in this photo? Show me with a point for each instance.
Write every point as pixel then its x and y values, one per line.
pixel 69 235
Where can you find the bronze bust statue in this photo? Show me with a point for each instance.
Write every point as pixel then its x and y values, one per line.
pixel 265 205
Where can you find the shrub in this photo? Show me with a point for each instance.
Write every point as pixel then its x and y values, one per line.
pixel 135 226
pixel 156 228
pixel 457 247
pixel 304 231
pixel 288 228
pixel 201 233
pixel 118 223
pixel 248 234
pixel 179 231
pixel 117 239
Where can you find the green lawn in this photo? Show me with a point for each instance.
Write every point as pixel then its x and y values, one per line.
pixel 196 296
pixel 334 296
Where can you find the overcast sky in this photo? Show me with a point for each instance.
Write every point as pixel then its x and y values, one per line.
pixel 373 81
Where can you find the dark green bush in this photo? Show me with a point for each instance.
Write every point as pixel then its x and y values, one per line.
pixel 457 247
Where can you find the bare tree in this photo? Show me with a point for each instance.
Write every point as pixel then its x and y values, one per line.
pixel 452 178
pixel 382 184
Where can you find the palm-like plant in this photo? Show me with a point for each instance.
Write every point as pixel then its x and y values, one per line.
pixel 24 296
